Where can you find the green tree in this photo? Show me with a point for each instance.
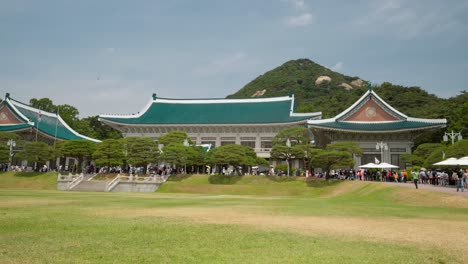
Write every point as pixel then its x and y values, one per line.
pixel 44 104
pixel 177 154
pixel 140 151
pixel 435 156
pixel 79 149
pixel 351 147
pixel 235 155
pixel 291 143
pixel 5 148
pixel 109 152
pixel 92 127
pixel 38 152
pixel 174 137
pixel 334 156
pixel 331 159
pixel 425 154
pixel 69 114
pixel 196 156
pixel 458 150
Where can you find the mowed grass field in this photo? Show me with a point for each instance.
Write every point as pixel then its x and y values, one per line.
pixel 250 219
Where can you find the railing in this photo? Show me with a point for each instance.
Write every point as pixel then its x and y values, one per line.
pixel 93 175
pixel 75 180
pixel 135 178
pixel 111 185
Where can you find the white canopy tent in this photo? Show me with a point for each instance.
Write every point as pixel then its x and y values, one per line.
pixel 368 166
pixel 382 165
pixel 463 161
pixel 448 162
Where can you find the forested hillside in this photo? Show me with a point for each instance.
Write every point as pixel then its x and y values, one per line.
pixel 316 88
pixel 316 92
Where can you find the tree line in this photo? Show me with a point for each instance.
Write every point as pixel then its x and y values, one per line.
pixel 178 151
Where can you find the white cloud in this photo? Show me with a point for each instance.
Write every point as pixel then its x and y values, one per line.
pixel 109 50
pixel 300 20
pixel 227 64
pixel 338 66
pixel 401 19
pixel 297 4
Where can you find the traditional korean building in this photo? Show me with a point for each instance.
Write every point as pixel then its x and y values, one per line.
pixel 380 130
pixel 248 122
pixel 27 120
pixel 33 124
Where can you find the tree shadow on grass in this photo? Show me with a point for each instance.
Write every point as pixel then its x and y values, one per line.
pixel 320 182
pixel 29 174
pixel 179 177
pixel 224 179
pixel 281 178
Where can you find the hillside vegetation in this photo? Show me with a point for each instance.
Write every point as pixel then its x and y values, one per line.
pixel 334 96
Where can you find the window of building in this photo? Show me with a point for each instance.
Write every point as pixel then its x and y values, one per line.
pixel 248 143
pixel 212 143
pixel 223 143
pixel 396 160
pixel 266 144
pixel 398 150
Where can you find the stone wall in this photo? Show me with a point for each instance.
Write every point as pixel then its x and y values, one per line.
pixel 136 187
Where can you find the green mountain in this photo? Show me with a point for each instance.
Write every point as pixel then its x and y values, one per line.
pixel 336 92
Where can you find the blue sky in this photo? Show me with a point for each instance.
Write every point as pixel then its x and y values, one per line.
pixel 110 56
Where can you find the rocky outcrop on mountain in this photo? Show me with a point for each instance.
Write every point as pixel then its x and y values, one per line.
pixel 346 86
pixel 259 93
pixel 357 83
pixel 322 79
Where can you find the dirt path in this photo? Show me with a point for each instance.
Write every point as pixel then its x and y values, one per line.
pixel 391 229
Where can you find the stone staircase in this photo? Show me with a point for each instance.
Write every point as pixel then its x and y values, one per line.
pixel 91 186
pixel 121 183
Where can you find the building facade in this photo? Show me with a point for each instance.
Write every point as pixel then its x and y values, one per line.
pixel 248 122
pixel 33 124
pixel 382 132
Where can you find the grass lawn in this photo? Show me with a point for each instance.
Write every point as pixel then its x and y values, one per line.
pixel 246 220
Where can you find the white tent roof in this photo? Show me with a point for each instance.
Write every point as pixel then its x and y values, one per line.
pixel 463 161
pixel 382 165
pixel 368 165
pixel 448 162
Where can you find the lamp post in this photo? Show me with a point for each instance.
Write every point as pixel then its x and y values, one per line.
pixel 382 146
pixel 452 136
pixel 12 144
pixel 288 144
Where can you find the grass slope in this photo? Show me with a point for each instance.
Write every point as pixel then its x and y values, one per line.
pixel 28 180
pixel 345 222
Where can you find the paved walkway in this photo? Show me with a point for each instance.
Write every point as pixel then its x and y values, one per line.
pixel 430 187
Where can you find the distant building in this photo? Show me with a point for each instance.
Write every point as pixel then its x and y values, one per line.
pixel 248 122
pixel 380 130
pixel 19 117
pixel 34 124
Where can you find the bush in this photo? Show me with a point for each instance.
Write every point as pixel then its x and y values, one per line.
pixel 281 167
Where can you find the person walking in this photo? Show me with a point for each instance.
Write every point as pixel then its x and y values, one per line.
pixel 415 178
pixel 461 184
pixel 465 178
